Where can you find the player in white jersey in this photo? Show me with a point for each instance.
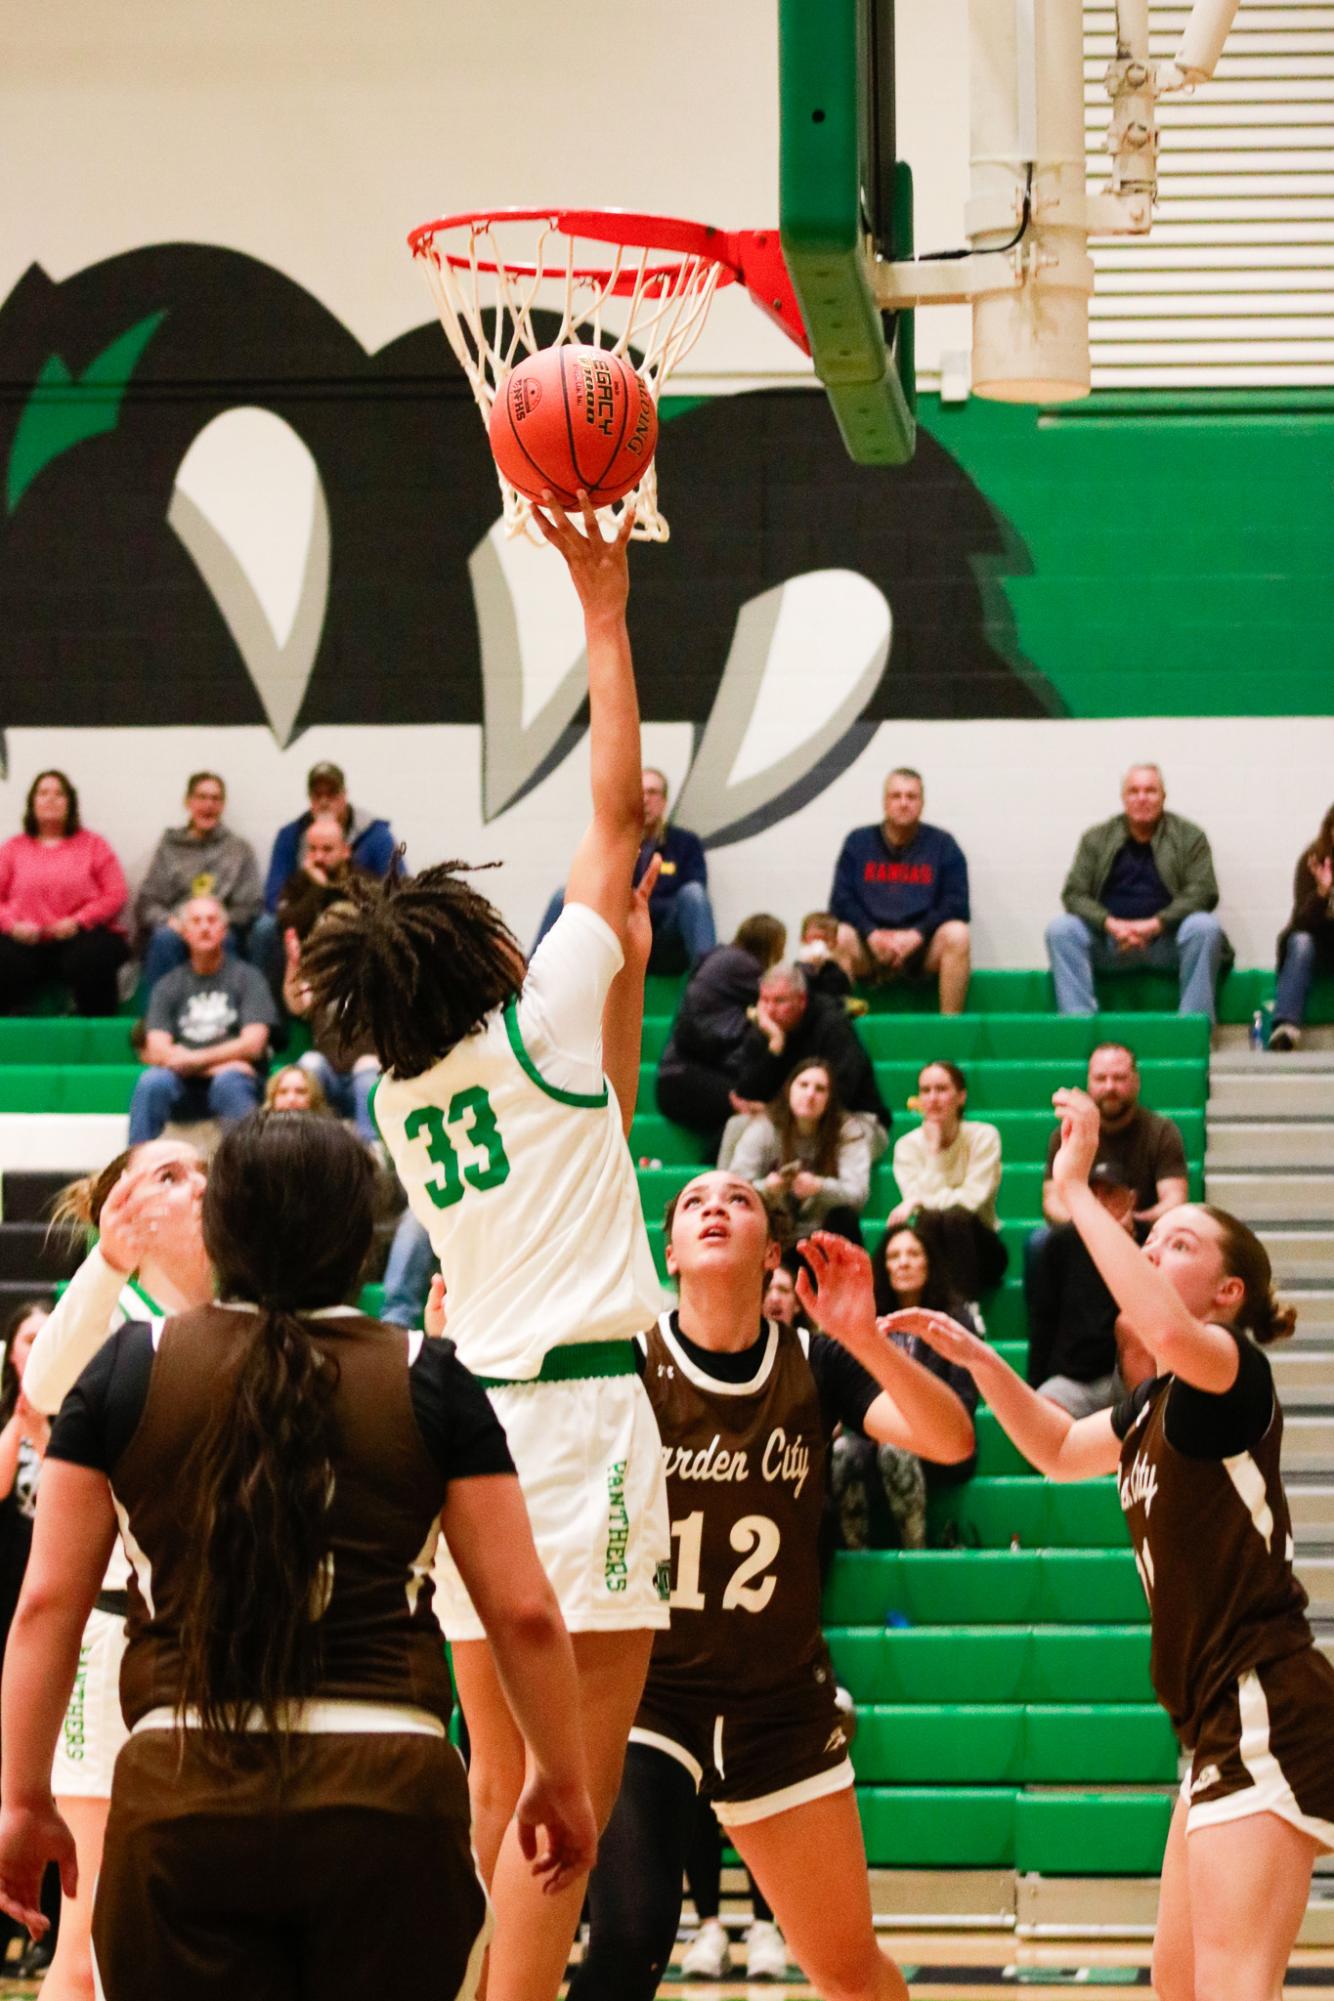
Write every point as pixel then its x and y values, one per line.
pixel 149 1260
pixel 505 1117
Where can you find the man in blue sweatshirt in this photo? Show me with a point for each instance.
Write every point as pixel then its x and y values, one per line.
pixel 901 898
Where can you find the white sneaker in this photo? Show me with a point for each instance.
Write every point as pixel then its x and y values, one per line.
pixel 707 1957
pixel 766 1954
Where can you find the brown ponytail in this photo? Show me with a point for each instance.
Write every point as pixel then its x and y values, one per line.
pixel 79 1204
pixel 1262 1313
pixel 288 1218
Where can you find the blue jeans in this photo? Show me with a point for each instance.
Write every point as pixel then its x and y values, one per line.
pixel 407 1274
pixel 1300 957
pixel 348 1091
pixel 166 949
pixel 160 1095
pixel 1195 951
pixel 681 936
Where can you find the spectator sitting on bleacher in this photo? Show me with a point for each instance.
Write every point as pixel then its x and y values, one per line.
pixel 202 858
pixel 293 1089
pixel 901 898
pixel 908 1271
pixel 679 907
pixel 697 1070
pixel 789 1024
pixel 1072 1344
pixel 952 1166
pixel 208 1026
pixel 62 897
pixel 370 841
pixel 1307 940
pixel 817 957
pixel 1148 1148
pixel 1141 892
pixel 810 1161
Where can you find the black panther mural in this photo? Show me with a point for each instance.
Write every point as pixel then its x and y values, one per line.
pixel 107 378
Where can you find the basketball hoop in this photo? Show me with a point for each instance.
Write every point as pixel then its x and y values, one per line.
pixel 490 271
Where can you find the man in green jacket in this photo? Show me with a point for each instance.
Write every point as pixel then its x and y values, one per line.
pixel 1141 892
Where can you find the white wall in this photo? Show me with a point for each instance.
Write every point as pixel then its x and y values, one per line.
pixel 1015 794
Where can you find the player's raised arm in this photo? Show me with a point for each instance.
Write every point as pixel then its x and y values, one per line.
pixel 604 861
pixel 1181 1344
pixel 1061 1446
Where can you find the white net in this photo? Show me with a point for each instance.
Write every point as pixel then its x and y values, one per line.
pixel 489 276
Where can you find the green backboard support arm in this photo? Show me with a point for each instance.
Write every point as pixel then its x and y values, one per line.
pixel 827 80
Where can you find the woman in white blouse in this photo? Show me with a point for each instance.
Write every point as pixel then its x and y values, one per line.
pixel 952 1165
pixel 809 1158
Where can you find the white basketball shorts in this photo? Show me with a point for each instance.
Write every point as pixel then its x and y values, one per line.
pixel 93 1730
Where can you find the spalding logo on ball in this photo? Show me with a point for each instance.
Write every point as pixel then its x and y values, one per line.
pixel 571 417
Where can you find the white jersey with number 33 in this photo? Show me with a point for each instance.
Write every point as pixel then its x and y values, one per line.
pixel 511 1153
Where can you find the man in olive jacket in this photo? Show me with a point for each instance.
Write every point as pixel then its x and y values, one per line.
pixel 1141 892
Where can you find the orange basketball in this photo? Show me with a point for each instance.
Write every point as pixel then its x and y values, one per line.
pixel 571 417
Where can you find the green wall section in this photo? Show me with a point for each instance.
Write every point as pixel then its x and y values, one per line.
pixel 1178 548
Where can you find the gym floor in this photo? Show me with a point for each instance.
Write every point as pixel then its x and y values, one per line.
pixel 989 1966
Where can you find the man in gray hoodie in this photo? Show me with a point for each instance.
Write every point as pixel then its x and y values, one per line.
pixel 202 858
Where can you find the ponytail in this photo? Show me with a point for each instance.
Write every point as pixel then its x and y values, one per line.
pixel 79 1204
pixel 1262 1314
pixel 262 1470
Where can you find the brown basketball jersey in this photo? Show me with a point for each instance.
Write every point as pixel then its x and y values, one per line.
pixel 745 1465
pixel 381 1642
pixel 1213 1542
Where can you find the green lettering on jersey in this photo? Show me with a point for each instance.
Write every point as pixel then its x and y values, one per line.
pixel 470 1109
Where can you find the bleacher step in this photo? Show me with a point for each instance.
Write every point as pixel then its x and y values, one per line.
pixel 1304 1377
pixel 73 1142
pixel 26 1194
pixel 1299 1255
pixel 1317 1574
pixel 32 1254
pixel 1308 1443
pixel 1288 1197
pixel 1270 1094
pixel 1248 1145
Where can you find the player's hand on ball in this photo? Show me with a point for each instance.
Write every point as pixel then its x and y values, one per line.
pixel 129 1219
pixel 558 1832
pixel 1080 1131
pixel 30 1838
pixel 836 1287
pixel 598 568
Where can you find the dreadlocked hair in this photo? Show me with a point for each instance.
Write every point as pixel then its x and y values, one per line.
pixel 288 1219
pixel 411 965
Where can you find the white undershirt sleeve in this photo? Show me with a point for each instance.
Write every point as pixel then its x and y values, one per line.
pixel 560 1008
pixel 85 1316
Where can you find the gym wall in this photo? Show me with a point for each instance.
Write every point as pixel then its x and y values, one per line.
pixel 247 514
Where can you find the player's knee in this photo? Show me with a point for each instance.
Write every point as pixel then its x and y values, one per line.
pixel 1172 1975
pixel 953 937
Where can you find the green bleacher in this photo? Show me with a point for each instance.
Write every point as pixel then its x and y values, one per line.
pixel 1005 1716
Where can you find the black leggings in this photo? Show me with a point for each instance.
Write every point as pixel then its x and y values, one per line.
pixel 634 1894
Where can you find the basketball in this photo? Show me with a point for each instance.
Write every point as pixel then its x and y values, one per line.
pixel 571 417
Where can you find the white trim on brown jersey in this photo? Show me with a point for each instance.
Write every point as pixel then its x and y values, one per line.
pixel 701 1380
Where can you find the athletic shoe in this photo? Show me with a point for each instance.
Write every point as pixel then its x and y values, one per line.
pixel 766 1954
pixel 707 1957
pixel 1285 1035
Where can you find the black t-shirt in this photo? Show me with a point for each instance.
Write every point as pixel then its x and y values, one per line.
pixel 1147 1149
pixel 201 1009
pixel 99 1417
pixel 1134 887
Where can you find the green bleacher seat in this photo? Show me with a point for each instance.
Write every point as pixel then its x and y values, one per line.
pixel 1014 1743
pixel 65 1039
pixel 999 1827
pixel 1026 1664
pixel 1092 1834
pixel 1001 1086
pixel 1024 1135
pixel 991 1511
pixel 371 1300
pixel 1015 1353
pixel 984 1587
pixel 970 1038
pixel 54 1087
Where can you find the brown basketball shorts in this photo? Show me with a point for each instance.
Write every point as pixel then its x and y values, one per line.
pixel 1267 1746
pixel 350 1874
pixel 759 1754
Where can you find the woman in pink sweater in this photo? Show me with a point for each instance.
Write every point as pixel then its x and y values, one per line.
pixel 62 893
